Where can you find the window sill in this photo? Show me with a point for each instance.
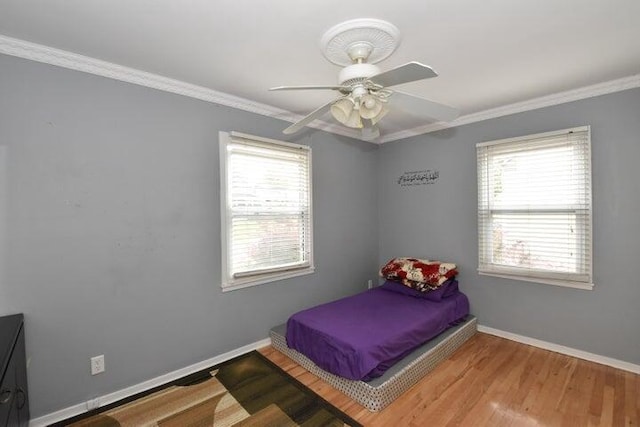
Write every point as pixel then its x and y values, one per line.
pixel 554 282
pixel 265 278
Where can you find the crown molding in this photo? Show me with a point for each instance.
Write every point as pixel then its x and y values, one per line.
pixel 61 58
pixel 73 61
pixel 519 107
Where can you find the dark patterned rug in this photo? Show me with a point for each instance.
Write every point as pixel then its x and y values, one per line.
pixel 248 390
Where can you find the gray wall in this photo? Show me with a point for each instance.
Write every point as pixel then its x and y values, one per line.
pixel 112 237
pixel 4 301
pixel 438 221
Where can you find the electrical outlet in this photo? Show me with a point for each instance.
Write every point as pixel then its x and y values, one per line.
pixel 370 283
pixel 97 364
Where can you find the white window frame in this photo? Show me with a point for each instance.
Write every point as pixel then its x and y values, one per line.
pixel 485 267
pixel 245 279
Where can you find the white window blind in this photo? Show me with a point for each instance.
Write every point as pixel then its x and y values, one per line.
pixel 266 209
pixel 534 208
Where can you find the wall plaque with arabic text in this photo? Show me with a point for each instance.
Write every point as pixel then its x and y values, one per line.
pixel 423 177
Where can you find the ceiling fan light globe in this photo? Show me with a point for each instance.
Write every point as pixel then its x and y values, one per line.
pixel 370 107
pixel 354 120
pixel 383 112
pixel 370 102
pixel 341 110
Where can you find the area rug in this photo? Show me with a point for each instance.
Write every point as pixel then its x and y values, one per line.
pixel 248 390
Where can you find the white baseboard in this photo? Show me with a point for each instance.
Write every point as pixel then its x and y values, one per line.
pixel 107 399
pixel 603 360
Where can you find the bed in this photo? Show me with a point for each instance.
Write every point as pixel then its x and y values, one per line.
pixel 376 394
pixel 375 345
pixel 361 336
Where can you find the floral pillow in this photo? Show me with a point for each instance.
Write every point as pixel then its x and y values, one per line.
pixel 420 274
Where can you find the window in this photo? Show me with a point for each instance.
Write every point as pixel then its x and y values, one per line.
pixel 265 210
pixel 534 208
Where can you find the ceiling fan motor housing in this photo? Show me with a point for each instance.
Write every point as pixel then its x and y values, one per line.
pixel 357 73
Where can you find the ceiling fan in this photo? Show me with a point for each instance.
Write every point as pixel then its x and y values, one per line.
pixel 365 94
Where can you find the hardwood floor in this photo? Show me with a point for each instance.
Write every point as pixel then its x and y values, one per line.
pixel 492 381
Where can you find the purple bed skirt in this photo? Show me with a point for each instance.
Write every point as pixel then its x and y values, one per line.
pixel 361 336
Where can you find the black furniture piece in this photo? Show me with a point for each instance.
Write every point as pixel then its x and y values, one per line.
pixel 14 399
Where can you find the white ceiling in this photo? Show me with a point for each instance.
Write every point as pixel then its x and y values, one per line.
pixel 488 54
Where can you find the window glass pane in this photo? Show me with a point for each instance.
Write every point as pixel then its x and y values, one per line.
pixel 267 242
pixel 538 241
pixel 525 179
pixel 267 185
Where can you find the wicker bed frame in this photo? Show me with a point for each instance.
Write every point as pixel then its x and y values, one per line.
pixel 375 395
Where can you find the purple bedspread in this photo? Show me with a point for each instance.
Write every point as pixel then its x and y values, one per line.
pixel 361 336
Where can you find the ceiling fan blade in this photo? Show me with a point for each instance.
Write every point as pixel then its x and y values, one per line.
pixel 315 114
pixel 340 88
pixel 423 107
pixel 406 73
pixel 369 131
